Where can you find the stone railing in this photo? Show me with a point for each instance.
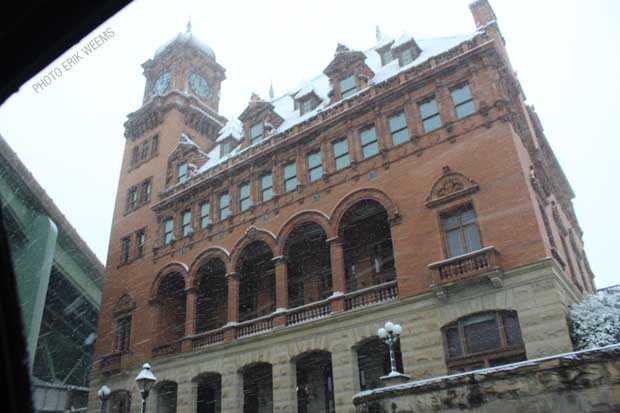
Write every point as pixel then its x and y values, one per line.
pixel 372 295
pixel 466 265
pixel 166 349
pixel 208 338
pixel 255 326
pixel 308 312
pixel 111 362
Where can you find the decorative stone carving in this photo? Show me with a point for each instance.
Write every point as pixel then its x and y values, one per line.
pixel 450 186
pixel 125 304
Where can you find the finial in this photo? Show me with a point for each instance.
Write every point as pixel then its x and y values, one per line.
pixel 271 89
pixel 189 24
pixel 378 34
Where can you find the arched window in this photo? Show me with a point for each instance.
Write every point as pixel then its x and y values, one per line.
pixel 373 361
pixel 257 286
pixel 120 402
pixel 166 397
pixel 212 296
pixel 483 340
pixel 315 384
pixel 258 388
pixel 208 393
pixel 171 303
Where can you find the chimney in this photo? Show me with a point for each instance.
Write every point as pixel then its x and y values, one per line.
pixel 482 12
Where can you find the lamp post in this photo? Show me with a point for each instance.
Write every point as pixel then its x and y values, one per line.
pixel 145 381
pixel 390 334
pixel 104 394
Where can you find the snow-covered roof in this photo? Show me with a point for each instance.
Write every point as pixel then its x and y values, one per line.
pixel 404 38
pixel 233 128
pixel 187 38
pixel 186 140
pixel 284 105
pixel 383 41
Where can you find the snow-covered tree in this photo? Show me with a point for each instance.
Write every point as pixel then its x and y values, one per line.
pixel 595 322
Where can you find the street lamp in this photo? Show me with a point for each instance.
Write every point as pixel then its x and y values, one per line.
pixel 390 334
pixel 104 394
pixel 145 381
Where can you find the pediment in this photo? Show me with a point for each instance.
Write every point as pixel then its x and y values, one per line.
pixel 451 185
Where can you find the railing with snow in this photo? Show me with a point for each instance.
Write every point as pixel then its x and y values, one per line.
pixel 372 295
pixel 308 312
pixel 208 338
pixel 166 349
pixel 466 265
pixel 255 326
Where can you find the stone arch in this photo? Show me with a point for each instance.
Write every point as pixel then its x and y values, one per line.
pixel 313 373
pixel 251 234
pixel 449 186
pixel 204 257
pixel 207 392
pixel 165 397
pixel 313 215
pixel 124 305
pixel 361 194
pixel 175 266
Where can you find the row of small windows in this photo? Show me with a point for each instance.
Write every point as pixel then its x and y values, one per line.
pixel 138 195
pixel 145 151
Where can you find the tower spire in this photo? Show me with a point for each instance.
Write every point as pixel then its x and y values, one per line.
pixel 189 24
pixel 378 34
pixel 271 89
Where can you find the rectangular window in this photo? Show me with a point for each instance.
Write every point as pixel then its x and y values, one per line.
pixel 135 156
pixel 341 154
pixel 266 187
pixel 168 231
pixel 125 242
pixel 145 150
pixel 140 243
pixel 429 112
pixel 224 203
pixel 461 231
pixel 225 148
pixel 256 133
pixel 306 106
pixel 244 196
pixel 463 101
pixel 398 128
pixel 405 57
pixel 123 334
pixel 204 215
pixel 154 145
pixel 186 223
pixel 315 168
pixel 386 56
pixel 181 172
pixel 290 176
pixel 347 87
pixel 368 140
pixel 146 190
pixel 132 198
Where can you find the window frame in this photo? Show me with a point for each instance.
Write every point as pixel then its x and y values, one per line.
pixel 144 152
pixel 256 138
pixel 348 92
pixel 437 114
pixel 135 155
pixel 181 178
pixel 122 342
pixel 405 128
pixel 471 100
pixel 154 145
pixel 453 210
pixel 264 189
pixel 145 184
pixel 286 180
pixel 125 249
pixel 219 205
pixel 406 52
pixel 248 198
pixel 140 235
pixel 368 144
pixel 132 198
pixel 341 156
pixel 167 232
pixel 466 359
pixel 206 216
pixel 315 167
pixel 186 227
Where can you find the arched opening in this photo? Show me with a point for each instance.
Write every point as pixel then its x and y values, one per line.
pixel 308 265
pixel 373 361
pixel 120 402
pixel 171 303
pixel 315 387
pixel 257 284
pixel 367 245
pixel 257 388
pixel 212 296
pixel 209 393
pixel 166 397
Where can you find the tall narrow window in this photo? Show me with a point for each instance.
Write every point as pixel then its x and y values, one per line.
pixel 146 190
pixel 398 128
pixel 341 154
pixel 186 223
pixel 181 172
pixel 463 101
pixel 256 133
pixel 461 231
pixel 168 231
pixel 145 150
pixel 204 215
pixel 429 112
pixel 123 334
pixel 225 148
pixel 135 155
pixel 266 187
pixel 125 243
pixel 155 145
pixel 224 204
pixel 315 168
pixel 290 176
pixel 140 243
pixel 368 140
pixel 132 198
pixel 347 87
pixel 244 196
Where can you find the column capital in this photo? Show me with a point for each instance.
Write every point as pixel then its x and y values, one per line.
pixel 280 259
pixel 233 275
pixel 334 240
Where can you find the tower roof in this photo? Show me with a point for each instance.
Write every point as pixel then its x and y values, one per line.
pixel 186 38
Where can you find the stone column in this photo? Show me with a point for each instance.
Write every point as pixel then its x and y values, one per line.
pixel 284 382
pixel 232 305
pixel 186 396
pixel 336 255
pixel 190 317
pixel 281 289
pixel 232 389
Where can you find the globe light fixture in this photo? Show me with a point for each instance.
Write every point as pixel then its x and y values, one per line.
pixel 146 380
pixel 104 394
pixel 390 333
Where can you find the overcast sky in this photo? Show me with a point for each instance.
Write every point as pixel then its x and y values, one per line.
pixel 566 54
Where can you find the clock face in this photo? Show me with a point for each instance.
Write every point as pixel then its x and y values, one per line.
pixel 199 85
pixel 161 84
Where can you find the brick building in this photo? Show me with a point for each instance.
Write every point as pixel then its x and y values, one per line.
pixel 252 260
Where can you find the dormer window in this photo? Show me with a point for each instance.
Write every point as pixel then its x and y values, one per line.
pixel 306 106
pixel 181 172
pixel 347 87
pixel 225 148
pixel 386 56
pixel 405 57
pixel 256 133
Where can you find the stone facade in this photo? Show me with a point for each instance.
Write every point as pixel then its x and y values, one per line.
pixel 494 160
